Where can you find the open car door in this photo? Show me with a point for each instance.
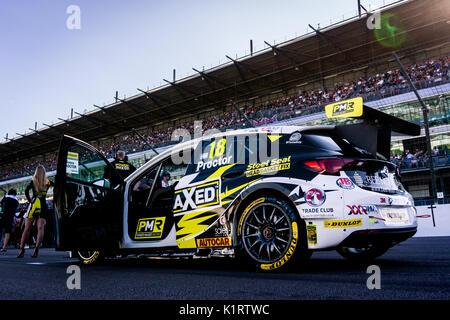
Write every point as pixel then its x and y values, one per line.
pixel 89 208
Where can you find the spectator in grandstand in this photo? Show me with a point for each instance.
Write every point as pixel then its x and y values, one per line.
pixel 436 151
pixel 9 205
pixel 37 209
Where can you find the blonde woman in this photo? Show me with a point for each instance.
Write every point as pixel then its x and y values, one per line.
pixel 37 210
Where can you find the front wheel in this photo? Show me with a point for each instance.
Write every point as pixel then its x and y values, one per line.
pixel 368 253
pixel 269 234
pixel 88 256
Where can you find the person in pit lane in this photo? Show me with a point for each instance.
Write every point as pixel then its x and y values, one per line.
pixel 37 210
pixel 122 166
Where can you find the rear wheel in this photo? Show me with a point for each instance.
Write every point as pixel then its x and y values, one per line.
pixel 368 253
pixel 88 256
pixel 269 234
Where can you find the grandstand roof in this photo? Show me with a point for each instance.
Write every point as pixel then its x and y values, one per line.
pixel 331 50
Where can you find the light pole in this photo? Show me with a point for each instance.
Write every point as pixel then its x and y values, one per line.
pixel 427 131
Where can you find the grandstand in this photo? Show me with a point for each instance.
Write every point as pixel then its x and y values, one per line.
pixel 287 83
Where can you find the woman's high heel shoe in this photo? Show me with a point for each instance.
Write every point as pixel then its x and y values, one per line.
pixel 21 253
pixel 35 253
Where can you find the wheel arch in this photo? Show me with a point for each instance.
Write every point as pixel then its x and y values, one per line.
pixel 252 193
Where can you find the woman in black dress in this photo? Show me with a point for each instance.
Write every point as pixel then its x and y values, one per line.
pixel 37 210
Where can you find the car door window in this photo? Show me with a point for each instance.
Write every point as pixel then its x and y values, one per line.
pixel 142 187
pixel 162 195
pixel 86 165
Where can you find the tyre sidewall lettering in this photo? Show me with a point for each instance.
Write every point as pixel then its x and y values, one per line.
pixel 294 227
pixel 289 253
pixel 92 259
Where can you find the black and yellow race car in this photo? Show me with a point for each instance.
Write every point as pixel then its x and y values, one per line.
pixel 268 196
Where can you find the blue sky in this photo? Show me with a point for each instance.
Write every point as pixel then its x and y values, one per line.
pixel 47 69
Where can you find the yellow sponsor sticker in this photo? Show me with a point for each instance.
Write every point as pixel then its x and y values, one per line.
pixel 72 155
pixel 214 242
pixel 312 234
pixel 269 166
pixel 347 108
pixel 150 228
pixel 342 223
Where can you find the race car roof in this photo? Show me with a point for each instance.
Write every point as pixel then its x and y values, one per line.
pixel 325 52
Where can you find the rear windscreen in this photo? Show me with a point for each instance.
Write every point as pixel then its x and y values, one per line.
pixel 331 142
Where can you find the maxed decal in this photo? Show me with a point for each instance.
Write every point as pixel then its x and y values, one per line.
pixel 198 196
pixel 269 166
pixel 345 183
pixel 361 209
pixel 315 197
pixel 150 228
pixel 214 242
pixel 342 223
pixel 122 166
pixel 289 252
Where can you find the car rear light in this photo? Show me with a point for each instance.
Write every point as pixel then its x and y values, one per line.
pixel 330 166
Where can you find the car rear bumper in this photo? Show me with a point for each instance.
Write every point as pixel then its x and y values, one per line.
pixel 389 236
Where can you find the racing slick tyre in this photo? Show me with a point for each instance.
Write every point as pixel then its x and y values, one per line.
pixel 270 235
pixel 88 256
pixel 368 253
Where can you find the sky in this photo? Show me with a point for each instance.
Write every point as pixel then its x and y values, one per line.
pixel 47 68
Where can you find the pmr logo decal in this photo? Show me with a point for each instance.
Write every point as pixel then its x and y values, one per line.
pixel 197 196
pixel 150 228
pixel 348 108
pixel 345 183
pixel 315 197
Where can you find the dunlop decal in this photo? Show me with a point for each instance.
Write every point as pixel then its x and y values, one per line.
pixel 342 223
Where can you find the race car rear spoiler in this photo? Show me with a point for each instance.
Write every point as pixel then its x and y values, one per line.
pixel 374 132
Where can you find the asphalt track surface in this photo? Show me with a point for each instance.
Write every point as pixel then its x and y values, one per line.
pixel 416 269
